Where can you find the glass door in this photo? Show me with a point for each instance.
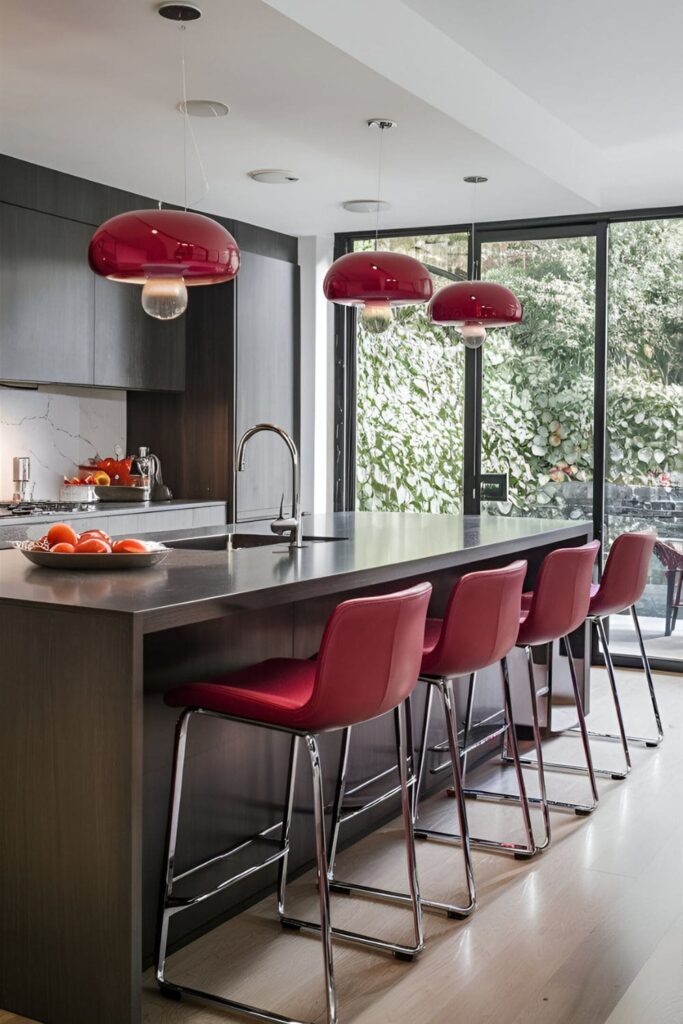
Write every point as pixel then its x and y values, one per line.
pixel 644 414
pixel 537 382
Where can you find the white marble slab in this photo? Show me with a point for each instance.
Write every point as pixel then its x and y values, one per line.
pixel 57 428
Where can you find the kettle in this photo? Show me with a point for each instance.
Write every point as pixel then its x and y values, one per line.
pixel 149 468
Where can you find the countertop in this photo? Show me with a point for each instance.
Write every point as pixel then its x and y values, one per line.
pixel 110 508
pixel 194 585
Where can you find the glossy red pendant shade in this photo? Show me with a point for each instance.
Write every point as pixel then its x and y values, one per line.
pixel 165 251
pixel 377 281
pixel 146 244
pixel 484 303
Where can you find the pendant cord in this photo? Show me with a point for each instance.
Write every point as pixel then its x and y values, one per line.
pixel 188 129
pixel 474 219
pixel 379 185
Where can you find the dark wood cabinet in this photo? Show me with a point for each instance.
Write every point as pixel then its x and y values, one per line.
pixel 132 350
pixel 266 378
pixel 46 298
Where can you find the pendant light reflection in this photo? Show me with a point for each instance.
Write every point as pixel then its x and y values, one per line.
pixel 164 298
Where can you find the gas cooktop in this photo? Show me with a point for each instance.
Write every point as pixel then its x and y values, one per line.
pixel 44 508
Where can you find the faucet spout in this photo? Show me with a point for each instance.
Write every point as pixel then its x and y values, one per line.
pixel 293 526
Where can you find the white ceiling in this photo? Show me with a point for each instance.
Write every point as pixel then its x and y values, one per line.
pixel 565 107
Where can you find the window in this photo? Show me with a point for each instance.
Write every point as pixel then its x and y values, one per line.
pixel 409 386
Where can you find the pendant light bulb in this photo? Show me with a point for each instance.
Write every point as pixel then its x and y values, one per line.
pixel 472 335
pixel 376 316
pixel 164 298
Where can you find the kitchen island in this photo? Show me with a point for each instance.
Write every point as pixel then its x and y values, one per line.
pixel 86 741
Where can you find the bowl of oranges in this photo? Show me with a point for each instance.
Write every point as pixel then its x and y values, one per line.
pixel 63 548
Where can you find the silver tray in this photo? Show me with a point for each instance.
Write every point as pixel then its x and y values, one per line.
pixel 155 554
pixel 117 492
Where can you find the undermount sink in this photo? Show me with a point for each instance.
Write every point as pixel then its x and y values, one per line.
pixel 221 541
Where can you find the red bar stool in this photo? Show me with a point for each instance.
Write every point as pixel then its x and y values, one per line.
pixel 555 608
pixel 621 587
pixel 367 665
pixel 479 628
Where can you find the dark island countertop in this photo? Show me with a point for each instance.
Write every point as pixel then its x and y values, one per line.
pixel 362 548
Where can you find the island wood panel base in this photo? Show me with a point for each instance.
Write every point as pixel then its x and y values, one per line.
pixel 70 807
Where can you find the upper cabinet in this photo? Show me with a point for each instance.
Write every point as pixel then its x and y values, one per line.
pixel 61 324
pixel 267 362
pixel 133 350
pixel 46 298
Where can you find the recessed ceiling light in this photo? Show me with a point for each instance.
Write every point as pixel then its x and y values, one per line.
pixel 273 176
pixel 204 108
pixel 365 205
pixel 179 11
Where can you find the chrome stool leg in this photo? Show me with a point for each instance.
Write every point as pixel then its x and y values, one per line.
pixel 171 904
pixel 589 770
pixel 286 826
pixel 622 737
pixel 407 780
pixel 508 731
pixel 445 689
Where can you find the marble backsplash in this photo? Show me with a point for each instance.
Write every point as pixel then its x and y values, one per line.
pixel 57 428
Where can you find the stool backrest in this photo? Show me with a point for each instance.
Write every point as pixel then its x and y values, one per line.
pixel 370 655
pixel 481 622
pixel 625 575
pixel 561 595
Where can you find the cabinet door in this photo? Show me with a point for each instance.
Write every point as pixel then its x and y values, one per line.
pixel 46 298
pixel 133 350
pixel 267 357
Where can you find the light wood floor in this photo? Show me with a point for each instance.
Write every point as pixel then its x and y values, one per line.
pixel 591 932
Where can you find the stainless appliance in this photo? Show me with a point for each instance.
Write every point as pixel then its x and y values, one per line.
pixel 44 508
pixel 148 466
pixel 21 476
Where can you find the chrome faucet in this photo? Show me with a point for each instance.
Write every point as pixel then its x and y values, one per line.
pixel 292 526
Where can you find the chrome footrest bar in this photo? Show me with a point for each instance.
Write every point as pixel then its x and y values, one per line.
pixel 573 769
pixel 536 801
pixel 176 903
pixel 357 938
pixel 485 844
pixel 397 897
pixel 374 803
pixel 168 988
pixel 260 837
pixel 649 741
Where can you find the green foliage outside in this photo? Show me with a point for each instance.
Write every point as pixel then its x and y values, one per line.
pixel 538 377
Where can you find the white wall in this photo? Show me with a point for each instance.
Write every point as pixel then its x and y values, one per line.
pixel 57 427
pixel 317 375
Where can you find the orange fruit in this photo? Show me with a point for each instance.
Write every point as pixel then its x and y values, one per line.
pixel 61 533
pixel 62 549
pixel 94 546
pixel 130 546
pixel 101 478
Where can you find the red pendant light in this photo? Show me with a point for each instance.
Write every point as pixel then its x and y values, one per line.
pixel 376 281
pixel 472 306
pixel 166 251
pixel 373 280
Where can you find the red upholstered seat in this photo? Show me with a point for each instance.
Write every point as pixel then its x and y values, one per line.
pixel 559 602
pixel 625 575
pixel 480 625
pixel 368 663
